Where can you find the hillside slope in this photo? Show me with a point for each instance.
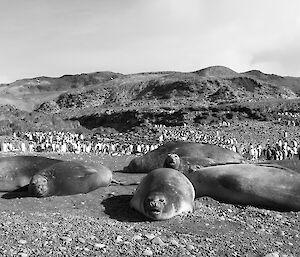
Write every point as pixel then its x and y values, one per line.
pixel 292 83
pixel 209 86
pixel 172 89
pixel 25 94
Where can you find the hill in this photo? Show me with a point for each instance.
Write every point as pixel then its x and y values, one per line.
pixel 25 94
pixel 216 71
pixel 292 83
pixel 172 89
pixel 100 98
pixel 108 89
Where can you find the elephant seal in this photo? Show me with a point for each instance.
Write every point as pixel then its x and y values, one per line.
pixel 293 164
pixel 162 194
pixel 261 185
pixel 190 153
pixel 17 171
pixel 68 178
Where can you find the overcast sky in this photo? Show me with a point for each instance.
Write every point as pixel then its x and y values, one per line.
pixel 57 37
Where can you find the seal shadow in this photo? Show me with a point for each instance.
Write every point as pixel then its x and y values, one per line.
pixel 117 207
pixel 22 192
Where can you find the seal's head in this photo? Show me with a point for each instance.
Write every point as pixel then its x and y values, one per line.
pixel 41 186
pixel 172 161
pixel 156 206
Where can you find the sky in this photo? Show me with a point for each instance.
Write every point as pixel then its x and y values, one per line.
pixel 57 37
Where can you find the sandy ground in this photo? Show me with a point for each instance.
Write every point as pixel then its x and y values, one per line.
pixel 101 223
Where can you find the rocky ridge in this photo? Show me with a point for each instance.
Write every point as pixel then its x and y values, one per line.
pixel 107 99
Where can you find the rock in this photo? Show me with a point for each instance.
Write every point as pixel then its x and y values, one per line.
pixel 280 233
pixel 81 240
pixel 157 240
pixel 23 255
pixel 208 240
pixel 274 254
pixel 149 236
pixel 119 239
pixel 137 237
pixel 66 239
pixel 190 247
pixel 92 237
pixel 174 242
pixel 22 241
pixel 99 245
pixel 147 252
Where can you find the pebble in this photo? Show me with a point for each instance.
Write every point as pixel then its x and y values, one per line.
pixel 174 242
pixel 137 237
pixel 66 239
pixel 119 239
pixel 81 240
pixel 190 247
pixel 93 237
pixel 280 233
pixel 157 240
pixel 208 240
pixel 99 245
pixel 260 226
pixel 147 252
pixel 23 255
pixel 149 236
pixel 274 254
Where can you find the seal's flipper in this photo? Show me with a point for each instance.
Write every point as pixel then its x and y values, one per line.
pixel 22 189
pixel 116 182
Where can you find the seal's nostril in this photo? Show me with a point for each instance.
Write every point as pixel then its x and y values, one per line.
pixel 152 204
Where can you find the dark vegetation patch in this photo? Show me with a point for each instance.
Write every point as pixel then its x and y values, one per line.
pixel 127 119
